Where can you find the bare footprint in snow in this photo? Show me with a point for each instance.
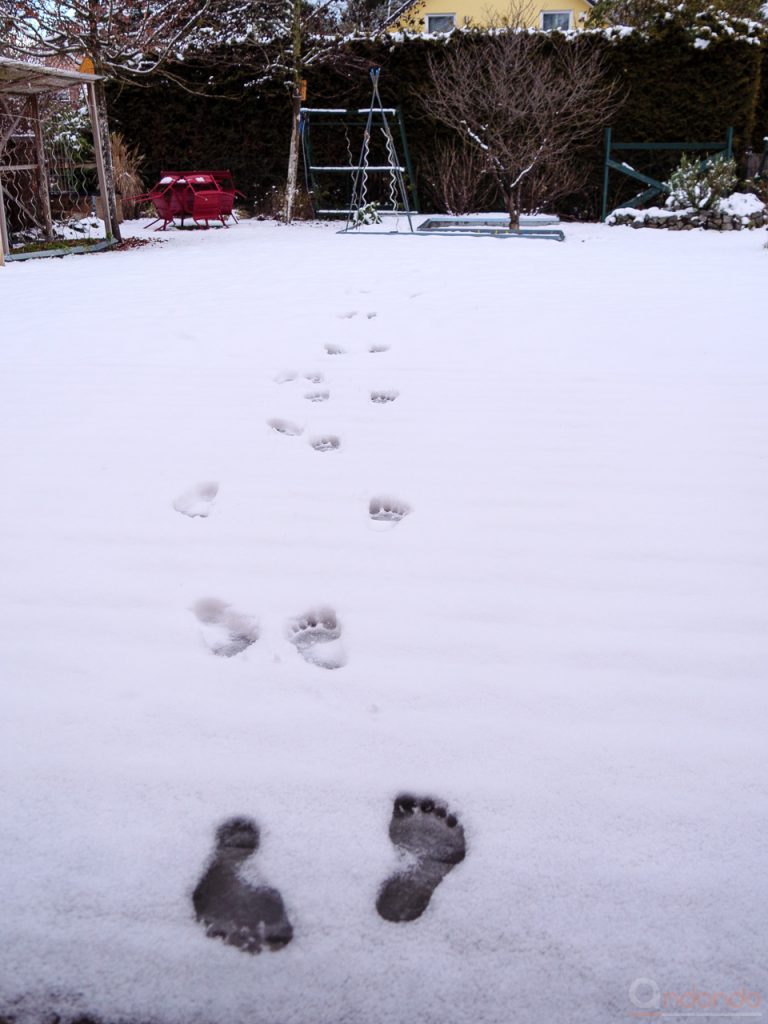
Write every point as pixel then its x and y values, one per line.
pixel 382 397
pixel 335 350
pixel 197 501
pixel 314 377
pixel 318 396
pixel 285 376
pixel 374 349
pixel 250 917
pixel 285 427
pixel 348 315
pixel 387 510
pixel 432 843
pixel 325 443
pixel 225 631
pixel 317 638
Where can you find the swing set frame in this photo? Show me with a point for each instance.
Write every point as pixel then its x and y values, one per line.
pixel 313 118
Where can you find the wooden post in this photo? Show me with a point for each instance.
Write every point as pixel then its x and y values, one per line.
pixel 112 231
pixel 4 246
pixel 42 167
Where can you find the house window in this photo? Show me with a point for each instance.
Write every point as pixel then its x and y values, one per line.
pixel 441 22
pixel 555 21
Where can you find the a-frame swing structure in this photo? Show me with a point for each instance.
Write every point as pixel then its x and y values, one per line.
pixel 400 188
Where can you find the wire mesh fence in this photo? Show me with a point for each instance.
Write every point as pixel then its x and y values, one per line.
pixel 48 178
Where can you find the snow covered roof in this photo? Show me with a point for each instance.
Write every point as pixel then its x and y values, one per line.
pixel 18 76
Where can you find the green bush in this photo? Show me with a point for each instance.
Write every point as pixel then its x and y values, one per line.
pixel 698 186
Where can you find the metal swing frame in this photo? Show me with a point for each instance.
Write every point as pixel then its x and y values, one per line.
pixel 389 119
pixel 397 190
pixel 321 117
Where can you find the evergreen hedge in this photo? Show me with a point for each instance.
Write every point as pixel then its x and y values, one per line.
pixel 674 91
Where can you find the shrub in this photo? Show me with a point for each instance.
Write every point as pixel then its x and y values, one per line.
pixel 459 179
pixel 699 186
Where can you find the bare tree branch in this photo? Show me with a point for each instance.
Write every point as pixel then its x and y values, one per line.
pixel 527 103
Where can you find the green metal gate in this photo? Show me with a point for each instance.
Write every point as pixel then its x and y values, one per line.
pixel 653 188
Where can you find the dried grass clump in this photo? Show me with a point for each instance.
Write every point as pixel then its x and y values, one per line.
pixel 126 165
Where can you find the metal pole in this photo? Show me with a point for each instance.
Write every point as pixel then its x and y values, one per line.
pixel 361 171
pixel 608 132
pixel 407 158
pixel 42 168
pixel 306 152
pixel 393 156
pixel 729 144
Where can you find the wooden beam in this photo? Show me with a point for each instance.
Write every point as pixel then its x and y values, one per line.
pixel 15 120
pixel 99 154
pixel 42 169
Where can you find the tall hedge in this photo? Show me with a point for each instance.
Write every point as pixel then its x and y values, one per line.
pixel 674 91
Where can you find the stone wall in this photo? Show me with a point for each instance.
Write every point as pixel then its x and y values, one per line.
pixel 687 220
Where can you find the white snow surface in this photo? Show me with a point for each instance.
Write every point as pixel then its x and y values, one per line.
pixel 657 212
pixel 564 638
pixel 741 204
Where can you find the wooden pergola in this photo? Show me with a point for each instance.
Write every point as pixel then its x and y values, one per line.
pixel 26 83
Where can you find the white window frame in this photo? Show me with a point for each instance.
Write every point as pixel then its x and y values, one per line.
pixel 570 20
pixel 442 31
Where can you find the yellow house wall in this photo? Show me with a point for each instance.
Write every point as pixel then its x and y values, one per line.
pixel 480 12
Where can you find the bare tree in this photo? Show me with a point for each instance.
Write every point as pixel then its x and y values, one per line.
pixel 528 103
pixel 460 179
pixel 283 41
pixel 286 40
pixel 299 37
pixel 123 41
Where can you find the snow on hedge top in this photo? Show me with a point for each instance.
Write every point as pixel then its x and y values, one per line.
pixel 741 204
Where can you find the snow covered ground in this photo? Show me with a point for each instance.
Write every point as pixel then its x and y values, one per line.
pixel 564 638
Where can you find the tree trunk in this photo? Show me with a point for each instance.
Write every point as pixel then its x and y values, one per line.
pixel 513 205
pixel 291 185
pixel 293 154
pixel 108 201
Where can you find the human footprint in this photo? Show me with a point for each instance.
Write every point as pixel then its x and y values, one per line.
pixel 317 638
pixel 433 840
pixel 197 501
pixel 226 631
pixel 251 917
